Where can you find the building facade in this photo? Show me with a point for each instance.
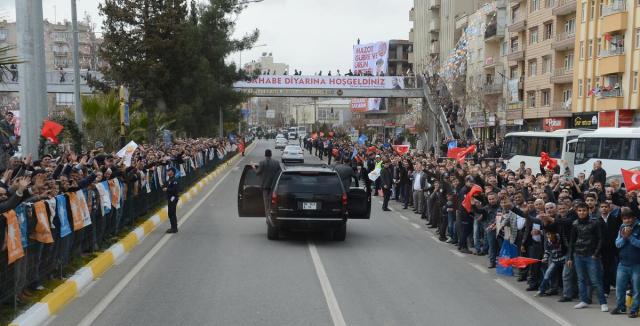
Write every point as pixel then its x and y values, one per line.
pixel 267 66
pixel 58 38
pixel 605 83
pixel 258 106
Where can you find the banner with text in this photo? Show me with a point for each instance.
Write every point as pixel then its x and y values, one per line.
pixel 323 82
pixel 369 59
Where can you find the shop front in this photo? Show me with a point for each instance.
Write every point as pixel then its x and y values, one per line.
pixel 587 120
pixel 616 119
pixel 553 124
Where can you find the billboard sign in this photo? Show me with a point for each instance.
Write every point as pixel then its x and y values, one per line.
pixel 370 59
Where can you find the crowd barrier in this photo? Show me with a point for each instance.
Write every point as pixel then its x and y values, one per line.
pixel 40 240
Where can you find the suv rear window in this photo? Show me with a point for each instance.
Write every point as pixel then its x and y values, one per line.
pixel 317 183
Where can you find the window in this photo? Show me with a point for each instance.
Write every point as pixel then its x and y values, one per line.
pixel 593 9
pixel 61 62
pixel 64 98
pixel 579 87
pixel 533 35
pixel 588 84
pixel 570 26
pixel 638 37
pixel 566 95
pixel 531 99
pixel 549 3
pixel 3 34
pixel 590 50
pixel 503 49
pixel 514 44
pixel 598 46
pixel 535 5
pixel 583 12
pixel 533 67
pixel 546 64
pixel 548 31
pixel 513 72
pixel 635 81
pixel 568 61
pixel 581 50
pixel 546 97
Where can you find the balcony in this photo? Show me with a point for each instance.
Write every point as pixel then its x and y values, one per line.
pixel 518 24
pixel 537 112
pixel 562 76
pixel 564 7
pixel 60 53
pixel 560 110
pixel 516 54
pixel 493 33
pixel 493 88
pixel 610 100
pixel 611 61
pixel 614 17
pixel 434 25
pixel 564 41
pixel 412 15
pixel 434 4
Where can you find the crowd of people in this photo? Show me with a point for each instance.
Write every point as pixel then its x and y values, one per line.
pixel 56 209
pixel 581 234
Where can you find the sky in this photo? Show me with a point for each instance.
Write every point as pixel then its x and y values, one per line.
pixel 309 35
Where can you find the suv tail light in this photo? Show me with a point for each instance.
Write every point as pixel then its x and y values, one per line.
pixel 274 199
pixel 344 199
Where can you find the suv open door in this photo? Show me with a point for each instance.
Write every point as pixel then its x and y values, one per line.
pixel 358 203
pixel 250 203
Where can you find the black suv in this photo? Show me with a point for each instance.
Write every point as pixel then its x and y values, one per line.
pixel 305 198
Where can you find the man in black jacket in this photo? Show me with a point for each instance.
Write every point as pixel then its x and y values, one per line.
pixel 585 253
pixel 386 176
pixel 268 171
pixel 346 173
pixel 610 227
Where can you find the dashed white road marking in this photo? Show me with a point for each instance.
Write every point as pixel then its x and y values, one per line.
pixel 546 311
pixel 457 253
pixel 330 297
pixel 480 268
pixel 415 225
pixel 404 217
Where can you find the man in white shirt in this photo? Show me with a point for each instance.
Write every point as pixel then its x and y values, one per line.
pixel 418 188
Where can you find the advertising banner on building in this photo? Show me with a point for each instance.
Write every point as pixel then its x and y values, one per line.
pixel 513 90
pixel 553 124
pixel 607 119
pixel 370 59
pixel 625 118
pixel 585 120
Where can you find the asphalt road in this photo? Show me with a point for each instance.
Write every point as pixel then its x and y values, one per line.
pixel 222 270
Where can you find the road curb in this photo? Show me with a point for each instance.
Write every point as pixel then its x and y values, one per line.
pixel 62 295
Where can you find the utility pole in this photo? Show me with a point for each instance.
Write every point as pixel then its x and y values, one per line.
pixel 76 67
pixel 33 86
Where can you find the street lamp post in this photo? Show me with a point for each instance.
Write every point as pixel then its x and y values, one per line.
pixel 76 67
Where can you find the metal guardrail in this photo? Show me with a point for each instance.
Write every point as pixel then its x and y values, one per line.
pixel 58 77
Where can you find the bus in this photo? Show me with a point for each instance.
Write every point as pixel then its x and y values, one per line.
pixel 526 147
pixel 617 148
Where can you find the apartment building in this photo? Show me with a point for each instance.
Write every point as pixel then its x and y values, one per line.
pixel 485 76
pixel 605 82
pixel 540 63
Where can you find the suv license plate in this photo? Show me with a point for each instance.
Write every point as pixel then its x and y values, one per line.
pixel 309 206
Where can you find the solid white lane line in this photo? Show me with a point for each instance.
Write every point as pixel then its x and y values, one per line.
pixel 548 312
pixel 415 225
pixel 332 302
pixel 480 268
pixel 457 253
pixel 104 303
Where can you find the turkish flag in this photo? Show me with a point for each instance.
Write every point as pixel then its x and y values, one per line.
pixel 372 149
pixel 466 203
pixel 459 153
pixel 518 262
pixel 51 130
pixel 547 162
pixel 631 179
pixel 401 149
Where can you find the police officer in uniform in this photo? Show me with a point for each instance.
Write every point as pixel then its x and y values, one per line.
pixel 173 190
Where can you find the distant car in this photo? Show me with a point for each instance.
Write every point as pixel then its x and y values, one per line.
pixel 293 136
pixel 280 136
pixel 281 143
pixel 304 198
pixel 292 154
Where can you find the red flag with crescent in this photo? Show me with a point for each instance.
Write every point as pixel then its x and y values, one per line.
pixel 401 149
pixel 547 162
pixel 631 179
pixel 518 262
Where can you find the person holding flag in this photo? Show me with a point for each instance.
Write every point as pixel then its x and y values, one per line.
pixel 467 203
